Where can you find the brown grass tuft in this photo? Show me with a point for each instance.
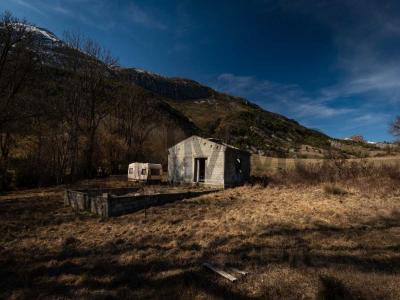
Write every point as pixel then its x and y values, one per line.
pixel 333 189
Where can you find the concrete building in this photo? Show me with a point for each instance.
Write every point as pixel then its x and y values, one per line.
pixel 207 161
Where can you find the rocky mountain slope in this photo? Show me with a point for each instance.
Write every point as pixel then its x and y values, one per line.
pixel 202 110
pixel 234 119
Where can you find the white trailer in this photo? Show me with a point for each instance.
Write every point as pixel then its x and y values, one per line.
pixel 144 172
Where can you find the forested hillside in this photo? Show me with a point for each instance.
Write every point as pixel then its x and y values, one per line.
pixel 69 111
pixel 64 114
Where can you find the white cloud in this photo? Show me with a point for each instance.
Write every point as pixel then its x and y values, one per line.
pixel 289 99
pixel 367 66
pixel 319 110
pixel 384 82
pixel 372 118
pixel 364 36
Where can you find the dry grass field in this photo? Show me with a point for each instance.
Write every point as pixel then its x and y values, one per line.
pixel 264 165
pixel 297 241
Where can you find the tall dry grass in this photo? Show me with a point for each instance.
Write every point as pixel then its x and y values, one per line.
pixel 262 165
pixel 363 175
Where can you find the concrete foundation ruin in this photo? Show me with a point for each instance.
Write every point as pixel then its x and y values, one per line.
pixel 120 201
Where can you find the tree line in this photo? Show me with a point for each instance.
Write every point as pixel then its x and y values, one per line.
pixel 69 119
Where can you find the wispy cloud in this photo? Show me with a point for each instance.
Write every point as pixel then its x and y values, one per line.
pixel 381 81
pixel 367 69
pixel 372 118
pixel 58 7
pixel 367 120
pixel 101 14
pixel 319 110
pixel 364 35
pixel 311 109
pixel 139 16
pixel 290 99
pixel 29 6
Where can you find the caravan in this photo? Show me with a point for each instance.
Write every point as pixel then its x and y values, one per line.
pixel 144 172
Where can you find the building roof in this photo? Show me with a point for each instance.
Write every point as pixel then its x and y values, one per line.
pixel 215 141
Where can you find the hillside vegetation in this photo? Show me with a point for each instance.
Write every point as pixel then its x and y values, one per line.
pixel 68 111
pixel 234 119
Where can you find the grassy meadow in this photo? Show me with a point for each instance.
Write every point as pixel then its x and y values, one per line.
pixel 264 165
pixel 311 233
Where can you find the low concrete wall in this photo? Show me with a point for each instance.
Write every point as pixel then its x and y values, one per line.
pixel 91 199
pixel 122 205
pixel 99 205
pixel 77 199
pixel 109 204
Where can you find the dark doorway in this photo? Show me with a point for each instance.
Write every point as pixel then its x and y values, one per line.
pixel 199 169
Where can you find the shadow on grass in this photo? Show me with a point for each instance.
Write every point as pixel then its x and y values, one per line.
pixel 76 272
pixel 332 289
pixel 23 217
pixel 297 252
pixel 182 280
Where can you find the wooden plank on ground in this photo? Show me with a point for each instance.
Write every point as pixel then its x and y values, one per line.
pixel 239 271
pixel 220 272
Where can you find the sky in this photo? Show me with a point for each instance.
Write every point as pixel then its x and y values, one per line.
pixel 330 65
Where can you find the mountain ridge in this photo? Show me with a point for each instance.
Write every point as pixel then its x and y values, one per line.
pixel 235 119
pixel 214 114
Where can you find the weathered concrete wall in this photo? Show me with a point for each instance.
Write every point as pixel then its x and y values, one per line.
pixel 78 200
pixel 99 205
pixel 122 205
pixel 237 167
pixel 181 159
pixel 107 205
pixel 83 199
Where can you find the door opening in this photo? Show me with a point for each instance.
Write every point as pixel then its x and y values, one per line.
pixel 199 169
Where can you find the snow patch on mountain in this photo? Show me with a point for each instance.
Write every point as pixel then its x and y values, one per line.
pixel 48 35
pixel 146 72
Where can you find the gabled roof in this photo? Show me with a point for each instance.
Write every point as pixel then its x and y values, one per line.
pixel 212 140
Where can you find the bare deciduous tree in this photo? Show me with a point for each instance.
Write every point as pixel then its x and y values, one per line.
pixel 71 114
pixel 90 93
pixel 18 60
pixel 395 127
pixel 138 117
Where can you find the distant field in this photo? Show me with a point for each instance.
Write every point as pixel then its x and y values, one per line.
pixel 262 164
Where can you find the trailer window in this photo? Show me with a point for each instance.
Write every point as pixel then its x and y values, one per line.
pixel 130 170
pixel 155 172
pixel 144 171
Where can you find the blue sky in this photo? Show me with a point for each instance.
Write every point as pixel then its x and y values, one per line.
pixel 331 65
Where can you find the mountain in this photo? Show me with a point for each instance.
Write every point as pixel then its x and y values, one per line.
pixel 196 108
pixel 234 119
pixel 172 88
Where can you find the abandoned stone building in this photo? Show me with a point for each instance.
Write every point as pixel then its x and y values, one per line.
pixel 207 161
